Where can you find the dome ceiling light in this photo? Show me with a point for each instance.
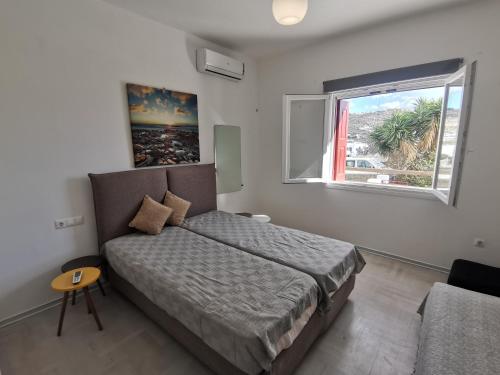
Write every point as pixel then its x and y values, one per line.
pixel 289 12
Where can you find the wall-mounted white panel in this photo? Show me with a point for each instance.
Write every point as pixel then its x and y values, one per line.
pixel 228 158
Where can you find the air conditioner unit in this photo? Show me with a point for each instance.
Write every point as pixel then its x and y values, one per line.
pixel 211 62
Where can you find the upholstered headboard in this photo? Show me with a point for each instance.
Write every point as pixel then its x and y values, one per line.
pixel 195 184
pixel 118 195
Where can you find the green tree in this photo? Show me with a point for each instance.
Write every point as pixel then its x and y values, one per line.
pixel 408 139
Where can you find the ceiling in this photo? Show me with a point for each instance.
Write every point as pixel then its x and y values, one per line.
pixel 248 25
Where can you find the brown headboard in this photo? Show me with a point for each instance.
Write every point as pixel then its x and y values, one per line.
pixel 195 184
pixel 118 195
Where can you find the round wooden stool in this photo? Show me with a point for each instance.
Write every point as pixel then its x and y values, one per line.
pixel 86 261
pixel 63 283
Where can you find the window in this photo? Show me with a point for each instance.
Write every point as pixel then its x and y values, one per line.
pixel 404 135
pixel 308 135
pixel 454 122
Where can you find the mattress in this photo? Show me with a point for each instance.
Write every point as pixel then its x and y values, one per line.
pixel 246 308
pixel 460 333
pixel 330 262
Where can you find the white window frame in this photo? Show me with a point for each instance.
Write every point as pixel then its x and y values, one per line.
pixel 327 137
pixel 468 73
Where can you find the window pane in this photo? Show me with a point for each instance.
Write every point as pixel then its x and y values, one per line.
pixel 306 138
pixel 392 137
pixel 450 135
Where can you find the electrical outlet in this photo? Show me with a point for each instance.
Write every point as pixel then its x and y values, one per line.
pixel 68 222
pixel 479 242
pixel 59 224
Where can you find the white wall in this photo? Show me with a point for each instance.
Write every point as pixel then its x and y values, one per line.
pixel 63 66
pixel 420 229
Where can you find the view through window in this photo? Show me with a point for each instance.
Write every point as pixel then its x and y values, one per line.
pixel 392 137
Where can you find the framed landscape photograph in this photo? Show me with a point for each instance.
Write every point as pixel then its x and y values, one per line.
pixel 164 125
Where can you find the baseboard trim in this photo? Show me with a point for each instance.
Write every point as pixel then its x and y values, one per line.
pixel 404 259
pixel 44 306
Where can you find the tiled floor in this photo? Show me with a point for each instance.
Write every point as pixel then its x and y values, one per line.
pixel 376 333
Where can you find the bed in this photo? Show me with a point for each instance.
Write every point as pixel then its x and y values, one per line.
pixel 117 197
pixel 329 261
pixel 460 333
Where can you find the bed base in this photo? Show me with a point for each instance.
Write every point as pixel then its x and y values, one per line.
pixel 284 364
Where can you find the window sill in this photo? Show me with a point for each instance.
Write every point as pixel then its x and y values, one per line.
pixel 409 192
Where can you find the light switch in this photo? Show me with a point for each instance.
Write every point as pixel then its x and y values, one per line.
pixel 68 222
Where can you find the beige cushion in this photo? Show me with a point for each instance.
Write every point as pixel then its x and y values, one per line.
pixel 151 217
pixel 180 207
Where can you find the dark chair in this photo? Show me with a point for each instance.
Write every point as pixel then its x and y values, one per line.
pixel 475 276
pixel 86 261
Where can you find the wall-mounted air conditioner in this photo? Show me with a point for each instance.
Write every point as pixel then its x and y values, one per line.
pixel 211 62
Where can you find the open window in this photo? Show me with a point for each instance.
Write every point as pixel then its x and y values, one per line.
pixel 404 135
pixel 453 126
pixel 307 137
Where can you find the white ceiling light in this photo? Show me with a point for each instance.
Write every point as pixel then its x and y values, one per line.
pixel 289 12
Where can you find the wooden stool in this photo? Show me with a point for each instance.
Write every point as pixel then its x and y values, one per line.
pixel 86 261
pixel 63 283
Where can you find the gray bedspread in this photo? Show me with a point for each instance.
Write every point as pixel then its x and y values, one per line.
pixel 330 262
pixel 238 304
pixel 460 333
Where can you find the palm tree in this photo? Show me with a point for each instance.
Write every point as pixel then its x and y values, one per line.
pixel 408 138
pixel 428 115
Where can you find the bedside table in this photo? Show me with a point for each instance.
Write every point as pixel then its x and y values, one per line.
pixel 86 261
pixel 63 283
pixel 260 218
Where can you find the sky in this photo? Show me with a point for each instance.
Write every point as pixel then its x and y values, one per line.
pixel 404 100
pixel 152 106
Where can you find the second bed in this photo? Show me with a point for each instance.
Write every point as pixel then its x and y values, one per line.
pixel 329 261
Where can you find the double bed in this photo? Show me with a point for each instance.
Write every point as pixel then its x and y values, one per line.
pixel 240 305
